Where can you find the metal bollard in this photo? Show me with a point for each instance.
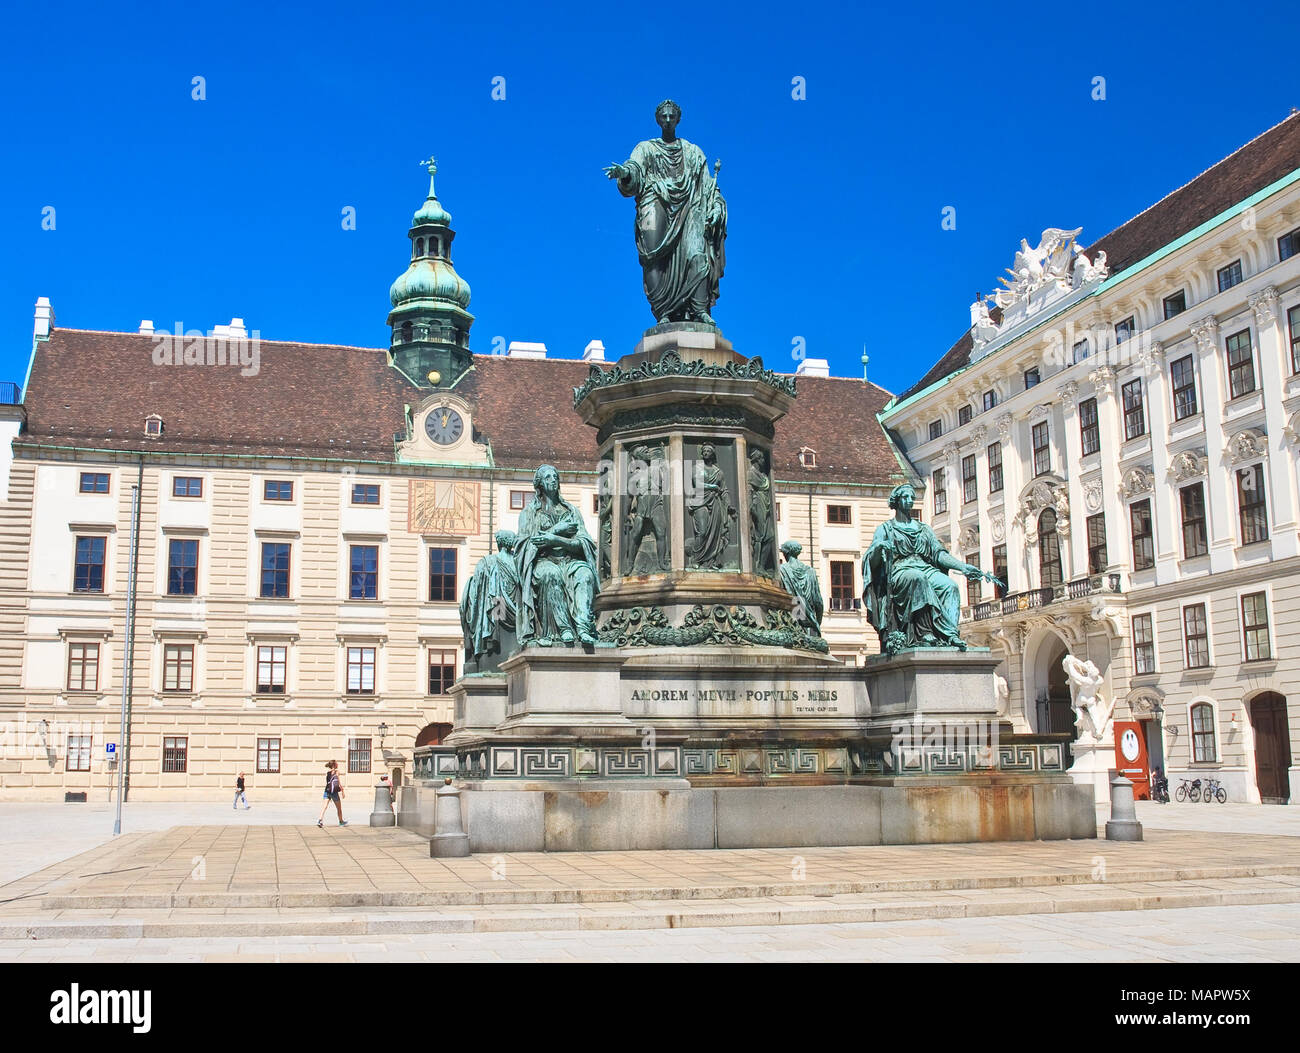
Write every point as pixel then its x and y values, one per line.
pixel 1123 824
pixel 383 813
pixel 449 839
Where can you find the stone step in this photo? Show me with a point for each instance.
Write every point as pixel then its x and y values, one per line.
pixel 430 897
pixel 802 908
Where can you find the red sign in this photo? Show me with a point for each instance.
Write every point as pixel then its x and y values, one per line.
pixel 1131 757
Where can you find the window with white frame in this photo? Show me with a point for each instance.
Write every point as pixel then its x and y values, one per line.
pixel 1196 636
pixel 1135 421
pixel 1252 505
pixel 1254 627
pixel 78 756
pixel 1144 645
pixel 178 667
pixel 1144 543
pixel 1204 748
pixel 361 671
pixel 1229 275
pixel 272 668
pixel 1042 448
pixel 268 756
pixel 83 666
pixel 1241 365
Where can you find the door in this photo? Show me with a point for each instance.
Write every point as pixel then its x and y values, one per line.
pixel 1272 747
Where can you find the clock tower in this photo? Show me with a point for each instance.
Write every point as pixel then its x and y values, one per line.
pixel 430 319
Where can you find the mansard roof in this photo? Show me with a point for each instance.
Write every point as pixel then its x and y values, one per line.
pixel 93 390
pixel 1262 161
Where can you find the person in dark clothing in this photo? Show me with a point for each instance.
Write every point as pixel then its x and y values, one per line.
pixel 239 793
pixel 333 792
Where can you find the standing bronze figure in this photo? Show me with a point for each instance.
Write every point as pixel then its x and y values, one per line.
pixel 681 221
pixel 711 512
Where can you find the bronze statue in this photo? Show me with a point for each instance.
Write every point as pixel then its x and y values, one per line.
pixel 800 581
pixel 762 524
pixel 645 517
pixel 711 511
pixel 557 568
pixel 681 221
pixel 488 607
pixel 911 601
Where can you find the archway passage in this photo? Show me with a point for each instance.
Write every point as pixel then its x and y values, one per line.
pixel 1272 747
pixel 432 734
pixel 1053 714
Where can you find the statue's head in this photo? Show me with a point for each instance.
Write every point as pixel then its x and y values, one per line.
pixel 903 496
pixel 506 540
pixel 546 480
pixel 667 114
pixel 707 453
pixel 641 453
pixel 757 459
pixel 791 549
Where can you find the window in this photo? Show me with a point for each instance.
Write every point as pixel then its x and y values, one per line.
pixel 1203 747
pixel 88 572
pixel 1229 275
pixel 1241 365
pixel 268 756
pixel 839 515
pixel 807 457
pixel 187 486
pixel 277 490
pixel 1192 501
pixel 964 415
pixel 442 671
pixel 1254 624
pixel 842 590
pixel 1196 637
pixel 94 482
pixel 1251 511
pixel 358 756
pixel 936 428
pixel 973 588
pixel 1049 550
pixel 1000 568
pixel 1184 379
pixel 518 500
pixel 365 493
pixel 939 486
pixel 78 756
pixel 364 578
pixel 1144 545
pixel 275 569
pixel 176 750
pixel 1081 351
pixel 1032 377
pixel 1176 303
pixel 595 504
pixel 178 667
pixel 1293 321
pixel 442 575
pixel 83 667
pixel 1124 329
pixel 1089 430
pixel 272 664
pixel 995 467
pixel 1135 418
pixel 1288 245
pixel 1042 449
pixel 1098 558
pixel 1144 645
pixel 182 567
pixel 969 488
pixel 990 400
pixel 361 670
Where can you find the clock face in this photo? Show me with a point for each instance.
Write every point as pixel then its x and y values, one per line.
pixel 443 425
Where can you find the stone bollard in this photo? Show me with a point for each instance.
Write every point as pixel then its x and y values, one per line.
pixel 1123 824
pixel 449 839
pixel 383 813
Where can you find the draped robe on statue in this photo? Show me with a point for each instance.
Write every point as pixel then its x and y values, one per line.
pixel 489 603
pixel 555 589
pixel 800 581
pixel 907 591
pixel 681 227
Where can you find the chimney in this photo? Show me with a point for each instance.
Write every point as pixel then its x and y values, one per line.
pixel 238 329
pixel 146 327
pixel 594 352
pixel 813 367
pixel 519 349
pixel 44 318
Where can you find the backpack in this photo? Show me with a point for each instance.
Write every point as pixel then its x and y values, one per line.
pixel 332 782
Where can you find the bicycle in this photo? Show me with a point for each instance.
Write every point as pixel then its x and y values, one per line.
pixel 1188 790
pixel 1214 791
pixel 1159 787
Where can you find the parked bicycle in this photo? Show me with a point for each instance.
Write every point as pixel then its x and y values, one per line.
pixel 1188 790
pixel 1214 791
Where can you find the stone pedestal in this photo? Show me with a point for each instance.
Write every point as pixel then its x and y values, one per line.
pixel 1093 763
pixel 383 809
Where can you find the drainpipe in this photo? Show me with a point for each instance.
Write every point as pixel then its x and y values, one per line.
pixel 128 653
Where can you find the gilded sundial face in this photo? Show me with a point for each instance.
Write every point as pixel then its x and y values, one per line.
pixel 443 425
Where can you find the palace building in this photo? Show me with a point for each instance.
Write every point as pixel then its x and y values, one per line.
pixel 1117 439
pixel 307 517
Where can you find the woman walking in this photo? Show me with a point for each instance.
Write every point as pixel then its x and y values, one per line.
pixel 333 792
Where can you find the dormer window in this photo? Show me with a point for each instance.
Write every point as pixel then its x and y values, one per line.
pixel 807 457
pixel 153 425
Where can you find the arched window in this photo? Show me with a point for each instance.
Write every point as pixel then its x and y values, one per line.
pixel 435 246
pixel 406 332
pixel 419 246
pixel 1049 549
pixel 1204 748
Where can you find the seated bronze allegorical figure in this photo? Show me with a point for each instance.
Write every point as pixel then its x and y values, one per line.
pixel 910 598
pixel 557 568
pixel 489 605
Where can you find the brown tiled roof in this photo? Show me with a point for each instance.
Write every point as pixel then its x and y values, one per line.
pixel 1263 160
pixel 94 390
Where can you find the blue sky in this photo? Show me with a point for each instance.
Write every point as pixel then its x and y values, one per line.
pixel 196 211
